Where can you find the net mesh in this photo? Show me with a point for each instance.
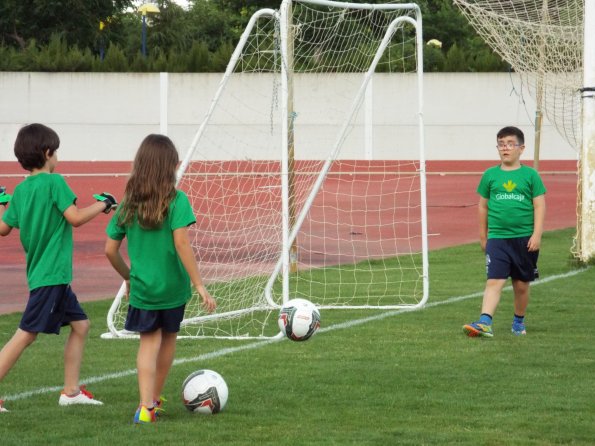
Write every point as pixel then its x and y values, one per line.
pixel 360 242
pixel 543 40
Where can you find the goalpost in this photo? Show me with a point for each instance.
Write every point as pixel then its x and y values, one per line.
pixel 307 174
pixel 551 44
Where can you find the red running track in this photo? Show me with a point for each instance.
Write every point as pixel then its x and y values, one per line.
pixel 451 200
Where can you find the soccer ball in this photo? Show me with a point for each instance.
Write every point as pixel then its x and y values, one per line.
pixel 204 391
pixel 299 319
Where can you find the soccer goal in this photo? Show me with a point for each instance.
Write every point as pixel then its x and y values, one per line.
pixel 307 174
pixel 551 44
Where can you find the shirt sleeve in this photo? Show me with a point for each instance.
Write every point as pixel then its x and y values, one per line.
pixel 62 194
pixel 538 186
pixel 483 188
pixel 182 214
pixel 113 229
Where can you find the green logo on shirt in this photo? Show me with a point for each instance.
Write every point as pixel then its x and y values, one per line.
pixel 509 186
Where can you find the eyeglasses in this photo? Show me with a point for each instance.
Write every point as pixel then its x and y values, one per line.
pixel 507 145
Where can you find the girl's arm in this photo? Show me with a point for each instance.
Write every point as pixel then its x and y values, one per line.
pixel 184 250
pixel 112 252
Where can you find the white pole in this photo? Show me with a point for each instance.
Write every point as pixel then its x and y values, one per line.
pixel 587 228
pixel 369 122
pixel 286 244
pixel 163 99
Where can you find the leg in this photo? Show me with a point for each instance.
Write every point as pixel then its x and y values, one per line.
pixel 11 352
pixel 491 295
pixel 491 299
pixel 146 365
pixel 164 361
pixel 521 301
pixel 521 296
pixel 73 355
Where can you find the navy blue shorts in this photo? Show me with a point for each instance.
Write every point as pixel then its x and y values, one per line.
pixel 49 308
pixel 510 257
pixel 144 321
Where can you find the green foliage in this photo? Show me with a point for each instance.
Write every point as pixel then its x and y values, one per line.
pixel 455 60
pixel 53 35
pixel 198 59
pixel 115 60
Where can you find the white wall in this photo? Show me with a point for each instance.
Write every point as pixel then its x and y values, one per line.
pixel 104 116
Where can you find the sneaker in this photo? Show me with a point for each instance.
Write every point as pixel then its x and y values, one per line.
pixel 2 408
pixel 518 329
pixel 144 415
pixel 158 405
pixel 83 397
pixel 476 329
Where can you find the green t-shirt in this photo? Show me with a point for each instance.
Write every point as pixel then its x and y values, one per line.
pixel 510 195
pixel 37 210
pixel 158 280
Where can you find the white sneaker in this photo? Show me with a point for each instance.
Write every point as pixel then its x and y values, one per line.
pixel 83 397
pixel 2 408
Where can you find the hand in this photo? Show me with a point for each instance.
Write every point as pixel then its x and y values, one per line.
pixel 4 197
pixel 208 303
pixel 534 243
pixel 109 200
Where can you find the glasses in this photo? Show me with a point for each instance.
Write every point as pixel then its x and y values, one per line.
pixel 507 145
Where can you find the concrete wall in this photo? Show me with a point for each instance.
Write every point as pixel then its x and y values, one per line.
pixel 104 116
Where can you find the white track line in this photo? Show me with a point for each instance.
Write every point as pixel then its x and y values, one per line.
pixel 259 344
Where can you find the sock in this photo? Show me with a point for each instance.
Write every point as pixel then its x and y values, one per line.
pixel 518 319
pixel 485 319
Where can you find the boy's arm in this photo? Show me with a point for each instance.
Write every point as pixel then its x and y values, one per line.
pixel 78 217
pixel 483 222
pixel 4 228
pixel 184 250
pixel 4 200
pixel 538 220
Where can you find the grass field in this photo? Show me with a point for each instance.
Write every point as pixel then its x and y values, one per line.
pixel 367 377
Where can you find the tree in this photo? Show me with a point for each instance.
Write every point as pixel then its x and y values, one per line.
pixel 76 20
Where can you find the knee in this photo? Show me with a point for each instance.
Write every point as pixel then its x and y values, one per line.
pixel 81 327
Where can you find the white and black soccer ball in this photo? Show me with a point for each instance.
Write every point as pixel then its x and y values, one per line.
pixel 299 319
pixel 204 391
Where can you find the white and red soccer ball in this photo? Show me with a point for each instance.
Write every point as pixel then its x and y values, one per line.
pixel 205 392
pixel 299 319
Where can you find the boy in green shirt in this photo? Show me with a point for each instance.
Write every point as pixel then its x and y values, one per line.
pixel 511 218
pixel 43 209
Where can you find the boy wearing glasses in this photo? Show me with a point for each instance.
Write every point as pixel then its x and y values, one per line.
pixel 511 217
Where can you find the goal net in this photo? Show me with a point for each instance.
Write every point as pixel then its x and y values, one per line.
pixel 544 41
pixel 307 174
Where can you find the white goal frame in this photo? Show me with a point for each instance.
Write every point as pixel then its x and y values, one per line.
pixel 289 231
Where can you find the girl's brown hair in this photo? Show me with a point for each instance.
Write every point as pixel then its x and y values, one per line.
pixel 151 186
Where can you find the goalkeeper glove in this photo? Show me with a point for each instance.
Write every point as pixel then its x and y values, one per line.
pixel 108 199
pixel 4 197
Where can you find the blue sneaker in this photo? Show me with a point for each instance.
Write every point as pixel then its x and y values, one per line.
pixel 475 329
pixel 518 328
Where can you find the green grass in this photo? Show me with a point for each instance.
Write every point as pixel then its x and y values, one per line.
pixel 408 378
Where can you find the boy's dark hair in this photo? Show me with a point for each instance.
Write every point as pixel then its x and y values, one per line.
pixel 512 131
pixel 31 144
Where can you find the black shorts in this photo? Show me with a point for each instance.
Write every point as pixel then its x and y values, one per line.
pixel 49 308
pixel 144 321
pixel 510 257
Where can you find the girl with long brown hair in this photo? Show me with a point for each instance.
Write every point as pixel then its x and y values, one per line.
pixel 154 216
